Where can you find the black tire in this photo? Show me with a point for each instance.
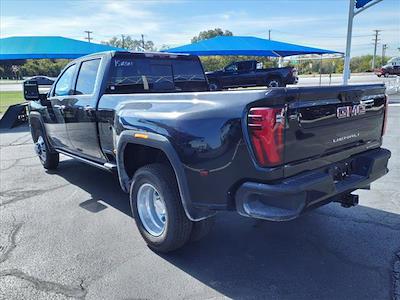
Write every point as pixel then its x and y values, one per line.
pixel 178 227
pixel 51 159
pixel 214 86
pixel 201 229
pixel 274 82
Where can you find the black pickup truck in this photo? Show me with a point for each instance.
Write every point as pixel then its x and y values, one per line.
pixel 249 73
pixel 183 152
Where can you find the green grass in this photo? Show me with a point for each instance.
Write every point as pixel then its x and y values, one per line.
pixel 9 98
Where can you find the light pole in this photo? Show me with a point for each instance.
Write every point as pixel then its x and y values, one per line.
pixel 384 47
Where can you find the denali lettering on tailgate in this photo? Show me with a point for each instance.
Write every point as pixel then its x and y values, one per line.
pixel 346 137
pixel 350 111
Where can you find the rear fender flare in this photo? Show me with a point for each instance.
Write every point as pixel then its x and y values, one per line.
pixel 162 143
pixel 273 76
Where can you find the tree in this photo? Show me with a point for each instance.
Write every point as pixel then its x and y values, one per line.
pixel 363 63
pixel 127 42
pixel 208 34
pixel 49 67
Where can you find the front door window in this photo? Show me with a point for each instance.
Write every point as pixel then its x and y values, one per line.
pixel 64 84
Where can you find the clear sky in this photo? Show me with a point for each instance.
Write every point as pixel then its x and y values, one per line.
pixel 318 23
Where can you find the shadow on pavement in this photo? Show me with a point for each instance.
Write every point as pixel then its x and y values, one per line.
pixel 318 256
pixel 101 185
pixel 330 253
pixel 21 128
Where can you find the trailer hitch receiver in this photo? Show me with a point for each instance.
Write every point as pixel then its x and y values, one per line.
pixel 348 200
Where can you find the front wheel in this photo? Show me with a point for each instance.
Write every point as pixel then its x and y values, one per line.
pixel 48 159
pixel 157 208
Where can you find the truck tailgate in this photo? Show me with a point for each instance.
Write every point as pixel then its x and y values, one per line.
pixel 329 120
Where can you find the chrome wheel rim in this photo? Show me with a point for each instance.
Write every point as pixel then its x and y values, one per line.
pixel 273 83
pixel 213 87
pixel 40 148
pixel 151 209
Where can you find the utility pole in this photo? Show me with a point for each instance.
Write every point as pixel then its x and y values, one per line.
pixel 269 34
pixel 123 41
pixel 143 42
pixel 375 44
pixel 384 47
pixel 88 35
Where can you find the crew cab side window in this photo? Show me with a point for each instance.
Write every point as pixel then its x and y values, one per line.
pixel 87 77
pixel 244 66
pixel 231 68
pixel 64 84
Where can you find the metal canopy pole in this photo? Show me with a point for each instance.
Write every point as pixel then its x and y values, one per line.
pixel 320 71
pixel 352 13
pixel 280 59
pixel 346 71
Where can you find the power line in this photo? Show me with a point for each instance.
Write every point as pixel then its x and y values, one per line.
pixel 88 35
pixel 375 44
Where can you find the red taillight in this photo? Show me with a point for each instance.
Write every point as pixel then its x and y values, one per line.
pixel 266 127
pixel 385 113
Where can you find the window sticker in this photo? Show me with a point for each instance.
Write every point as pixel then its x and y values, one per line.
pixel 123 63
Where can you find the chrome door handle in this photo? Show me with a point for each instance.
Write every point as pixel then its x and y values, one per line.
pixel 60 107
pixel 89 110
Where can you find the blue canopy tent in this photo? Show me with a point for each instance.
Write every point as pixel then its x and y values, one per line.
pixel 53 47
pixel 246 45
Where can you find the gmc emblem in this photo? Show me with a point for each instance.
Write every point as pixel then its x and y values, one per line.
pixel 350 111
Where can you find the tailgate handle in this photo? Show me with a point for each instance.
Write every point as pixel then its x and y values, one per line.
pixel 368 102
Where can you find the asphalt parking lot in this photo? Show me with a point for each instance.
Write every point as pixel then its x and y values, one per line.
pixel 70 234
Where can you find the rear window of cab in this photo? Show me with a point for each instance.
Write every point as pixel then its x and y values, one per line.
pixel 155 74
